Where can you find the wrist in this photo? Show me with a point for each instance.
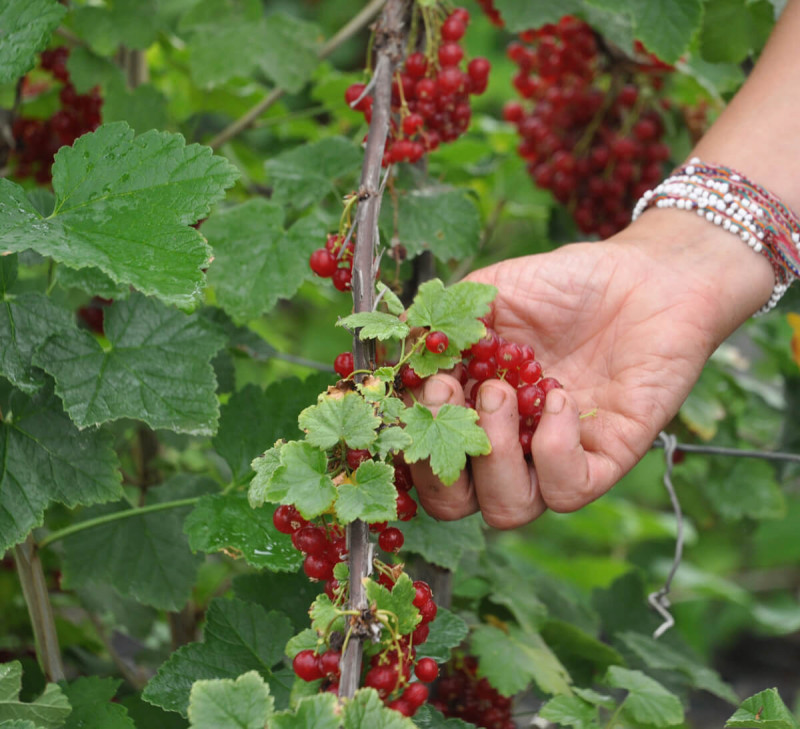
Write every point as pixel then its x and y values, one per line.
pixel 727 281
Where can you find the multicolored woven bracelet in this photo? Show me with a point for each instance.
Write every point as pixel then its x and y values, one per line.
pixel 728 199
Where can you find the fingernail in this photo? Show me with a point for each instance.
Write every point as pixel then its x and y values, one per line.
pixel 490 398
pixel 436 392
pixel 554 403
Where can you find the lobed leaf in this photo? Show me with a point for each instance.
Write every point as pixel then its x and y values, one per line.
pixel 349 419
pixel 222 703
pixel 48 711
pixel 647 700
pixel 26 29
pixel 370 495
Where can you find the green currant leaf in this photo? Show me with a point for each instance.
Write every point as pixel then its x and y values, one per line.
pixel 765 710
pixel 26 321
pixel 228 522
pixel 366 709
pixel 19 724
pixel 647 701
pixel 125 206
pixel 660 656
pixel 156 369
pixel 370 495
pixel 302 479
pixel 47 459
pixel 143 108
pixel 443 543
pixel 666 27
pixel 48 711
pixel 511 658
pixel 305 640
pixel 306 174
pixel 27 27
pixel 349 419
pixel 224 703
pixel 399 601
pixel 133 23
pixel 244 431
pixel 426 363
pixel 325 616
pixel 429 718
pixel 390 299
pixel 375 325
pixel 288 50
pixel 92 281
pixel 146 557
pixel 238 637
pixel 91 699
pixel 446 439
pixel 252 269
pixel 391 440
pixel 570 711
pixel 261 488
pixel 320 711
pixel 534 13
pixel 447 631
pixel 454 310
pixel 297 591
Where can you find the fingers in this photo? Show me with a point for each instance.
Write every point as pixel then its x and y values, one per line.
pixel 569 477
pixel 440 501
pixel 505 484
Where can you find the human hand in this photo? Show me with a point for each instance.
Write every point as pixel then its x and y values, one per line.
pixel 626 326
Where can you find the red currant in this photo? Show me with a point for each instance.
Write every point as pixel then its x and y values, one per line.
pixel 305 665
pixel 426 670
pixel 437 342
pixel 343 364
pixel 391 540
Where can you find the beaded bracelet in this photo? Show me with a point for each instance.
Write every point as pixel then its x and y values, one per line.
pixel 727 199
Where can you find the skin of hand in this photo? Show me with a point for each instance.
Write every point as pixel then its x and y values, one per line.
pixel 626 325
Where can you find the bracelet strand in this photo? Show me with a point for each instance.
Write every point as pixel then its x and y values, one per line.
pixel 726 198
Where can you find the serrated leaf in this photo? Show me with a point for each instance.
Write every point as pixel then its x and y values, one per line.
pixel 46 459
pixel 511 659
pixel 125 206
pixel 732 30
pixel 570 711
pixel 659 655
pixel 261 488
pixel 426 363
pixel 305 175
pixel 222 703
pixel 748 490
pixel 441 220
pixel 227 522
pixel 571 642
pixel 146 556
pixel 667 27
pixel 88 69
pixel 92 707
pixel 519 16
pixel 366 709
pixel 447 631
pixel 133 23
pixel 429 718
pixel 48 711
pixel 349 419
pixel 399 601
pixel 765 710
pixel 254 419
pixel 238 637
pixel 443 542
pixel 446 439
pixel 647 701
pixel 91 280
pixel 305 640
pixel 391 440
pixel 370 495
pixel 142 108
pixel 320 711
pixel 302 480
pixel 26 29
pixel 26 321
pixel 156 369
pixel 325 617
pixel 256 262
pixel 375 325
pixel 19 724
pixel 454 310
pixel 297 591
pixel 289 50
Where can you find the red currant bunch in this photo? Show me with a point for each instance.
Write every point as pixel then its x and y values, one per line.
pixel 335 261
pixel 37 140
pixel 430 95
pixel 491 12
pixel 590 123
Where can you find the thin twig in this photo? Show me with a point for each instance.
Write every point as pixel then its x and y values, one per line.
pixel 710 450
pixel 134 675
pixel 389 44
pixel 344 34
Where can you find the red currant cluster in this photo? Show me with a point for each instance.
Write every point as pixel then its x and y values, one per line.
pixel 593 135
pixel 335 262
pixel 430 96
pixel 37 140
pixel 461 694
pixel 494 357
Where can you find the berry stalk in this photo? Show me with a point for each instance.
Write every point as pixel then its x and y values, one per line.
pixel 389 45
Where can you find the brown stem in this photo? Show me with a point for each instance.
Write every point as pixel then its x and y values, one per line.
pixel 343 35
pixel 389 44
pixel 134 675
pixel 40 610
pixel 133 63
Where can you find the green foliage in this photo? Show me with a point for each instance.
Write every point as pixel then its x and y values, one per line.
pixel 766 709
pixel 92 707
pixel 26 30
pixel 222 703
pixel 48 711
